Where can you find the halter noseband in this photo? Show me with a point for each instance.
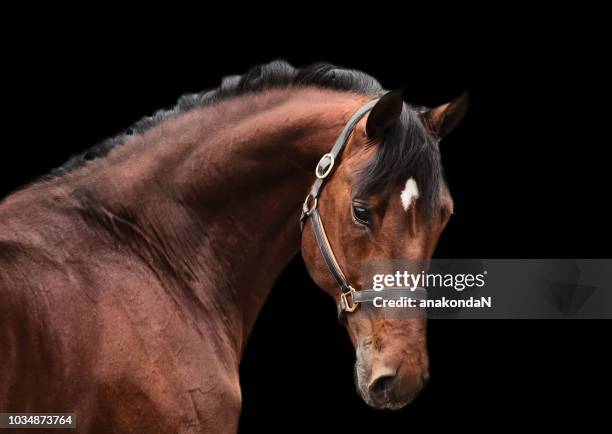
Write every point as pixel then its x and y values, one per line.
pixel 349 296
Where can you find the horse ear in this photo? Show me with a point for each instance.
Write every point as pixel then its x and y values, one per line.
pixel 445 118
pixel 384 114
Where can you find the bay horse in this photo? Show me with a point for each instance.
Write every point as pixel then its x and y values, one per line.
pixel 131 277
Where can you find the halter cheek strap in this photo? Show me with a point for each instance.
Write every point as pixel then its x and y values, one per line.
pixel 349 296
pixel 327 163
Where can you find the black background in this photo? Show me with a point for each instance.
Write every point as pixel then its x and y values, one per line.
pixel 528 170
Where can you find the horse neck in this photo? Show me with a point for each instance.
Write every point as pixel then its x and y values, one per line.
pixel 221 189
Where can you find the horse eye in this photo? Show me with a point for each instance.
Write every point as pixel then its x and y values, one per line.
pixel 361 214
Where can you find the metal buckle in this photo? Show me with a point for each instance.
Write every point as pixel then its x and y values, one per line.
pixel 306 209
pixel 329 168
pixel 352 306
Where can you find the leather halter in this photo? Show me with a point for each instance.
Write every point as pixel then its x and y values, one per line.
pixel 350 298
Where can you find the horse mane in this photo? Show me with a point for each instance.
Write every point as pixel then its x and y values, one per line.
pixel 418 157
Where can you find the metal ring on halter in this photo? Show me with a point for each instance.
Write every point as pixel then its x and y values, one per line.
pixel 308 209
pixel 327 171
pixel 352 306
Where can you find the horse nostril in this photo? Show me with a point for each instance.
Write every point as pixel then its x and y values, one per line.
pixel 381 386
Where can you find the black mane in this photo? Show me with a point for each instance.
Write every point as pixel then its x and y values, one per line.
pixel 409 149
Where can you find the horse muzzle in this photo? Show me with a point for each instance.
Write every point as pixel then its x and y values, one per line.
pixel 388 387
